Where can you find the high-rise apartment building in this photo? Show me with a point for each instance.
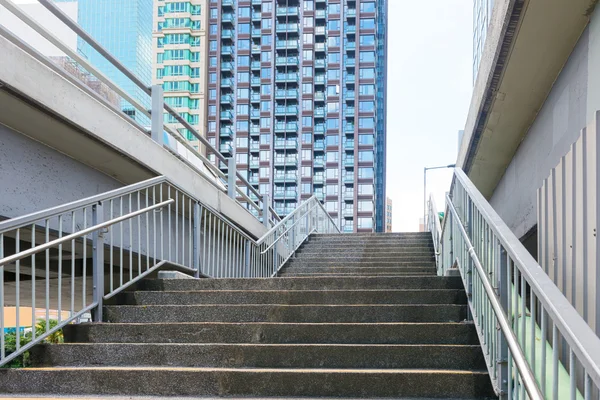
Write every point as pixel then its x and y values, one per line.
pixel 388 214
pixel 124 28
pixel 295 93
pixel 482 12
pixel 180 61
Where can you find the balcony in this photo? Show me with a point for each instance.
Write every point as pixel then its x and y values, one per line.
pixel 256 33
pixel 319 96
pixel 227 3
pixel 349 112
pixel 281 127
pixel 282 28
pixel 320 63
pixel 350 78
pixel 281 94
pixel 255 97
pixel 225 148
pixel 285 161
pixel 348 228
pixel 350 62
pixel 254 163
pixel 349 178
pixel 255 65
pixel 227 83
pixel 319 112
pixel 227 50
pixel 289 11
pixel 351 13
pixel 254 147
pixel 253 179
pixel 319 79
pixel 256 49
pixel 256 2
pixel 255 81
pixel 284 210
pixel 255 114
pixel 227 34
pixel 349 128
pixel 256 15
pixel 320 31
pixel 227 67
pixel 350 95
pixel 284 111
pixel 319 146
pixel 349 145
pixel 226 131
pixel 227 99
pixel 319 129
pixel 348 212
pixel 320 14
pixel 319 47
pixel 286 145
pixel 254 130
pixel 349 195
pixel 286 44
pixel 226 116
pixel 350 29
pixel 283 178
pixel 285 61
pixel 289 77
pixel 350 46
pixel 287 194
pixel 349 162
pixel 319 162
pixel 228 18
pixel 318 180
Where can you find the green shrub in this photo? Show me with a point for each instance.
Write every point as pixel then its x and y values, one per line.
pixel 10 342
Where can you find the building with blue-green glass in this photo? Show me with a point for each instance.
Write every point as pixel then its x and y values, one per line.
pixel 124 28
pixel 296 93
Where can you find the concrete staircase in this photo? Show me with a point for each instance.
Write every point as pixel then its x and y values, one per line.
pixel 352 316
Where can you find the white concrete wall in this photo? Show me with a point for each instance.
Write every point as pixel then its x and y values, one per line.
pixel 568 108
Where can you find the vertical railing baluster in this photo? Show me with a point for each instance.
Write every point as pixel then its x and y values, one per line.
pixel 47 282
pixel 60 259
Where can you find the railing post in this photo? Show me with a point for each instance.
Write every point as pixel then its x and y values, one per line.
pixel 247 259
pixel 470 233
pixel 265 212
pixel 502 347
pixel 196 238
pixel 231 178
pixel 97 261
pixel 157 114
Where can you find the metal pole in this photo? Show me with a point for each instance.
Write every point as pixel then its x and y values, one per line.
pixel 502 349
pixel 157 114
pixel 97 261
pixel 424 197
pixel 231 177
pixel 266 210
pixel 197 227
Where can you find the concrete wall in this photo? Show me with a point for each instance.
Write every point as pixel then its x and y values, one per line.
pixel 34 177
pixel 565 112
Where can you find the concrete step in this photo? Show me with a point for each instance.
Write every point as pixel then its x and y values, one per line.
pixel 224 355
pixel 353 251
pixel 372 234
pixel 370 242
pixel 171 381
pixel 341 258
pixel 287 313
pixel 272 332
pixel 298 262
pixel 408 296
pixel 350 283
pixel 355 274
pixel 292 269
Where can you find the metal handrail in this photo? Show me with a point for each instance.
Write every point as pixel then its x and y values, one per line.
pixel 573 327
pixel 433 222
pixel 281 235
pixel 530 383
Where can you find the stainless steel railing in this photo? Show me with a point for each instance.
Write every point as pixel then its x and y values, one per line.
pixel 433 226
pixel 535 343
pixel 91 249
pixel 193 157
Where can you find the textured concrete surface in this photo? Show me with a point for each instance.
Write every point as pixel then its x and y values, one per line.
pixel 292 297
pixel 248 382
pixel 368 356
pixel 288 313
pixel 274 332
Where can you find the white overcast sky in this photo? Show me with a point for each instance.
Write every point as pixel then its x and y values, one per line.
pixel 429 91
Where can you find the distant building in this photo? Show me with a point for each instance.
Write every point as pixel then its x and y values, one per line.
pixel 482 12
pixel 388 214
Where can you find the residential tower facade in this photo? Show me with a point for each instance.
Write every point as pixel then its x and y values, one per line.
pixel 294 93
pixel 482 12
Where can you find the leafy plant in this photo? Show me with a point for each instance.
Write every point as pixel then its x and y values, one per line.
pixel 10 341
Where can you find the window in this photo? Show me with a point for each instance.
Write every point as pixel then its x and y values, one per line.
pixel 365 90
pixel 367 23
pixel 306 138
pixel 333 41
pixel 266 23
pixel 243 109
pixel 213 45
pixel 333 58
pixel 306 121
pixel 366 106
pixel 244 44
pixel 242 126
pixel 367 40
pixel 212 78
pixel 267 7
pixel 333 74
pixel 213 29
pixel 367 7
pixel 365 172
pixel 331 173
pixel 332 156
pixel 212 110
pixel 241 158
pixel 308 22
pixel 214 13
pixel 333 90
pixel 264 172
pixel 365 223
pixel 265 106
pixel 265 138
pixel 244 28
pixel 332 190
pixel 333 8
pixel 265 56
pixel 307 88
pixel 307 55
pixel 365 189
pixel 366 123
pixel 309 5
pixel 333 123
pixel 213 62
pixel 333 25
pixel 307 105
pixel 265 73
pixel 243 93
pixel 265 90
pixel 266 40
pixel 365 156
pixel 332 140
pixel 306 155
pixel 244 12
pixel 265 155
pixel 307 38
pixel 366 139
pixel 212 94
pixel 243 61
pixel 265 122
pixel 333 107
pixel 331 206
pixel 367 73
pixel 367 56
pixel 212 126
pixel 243 77
pixel 306 188
pixel 307 71
pixel 195 56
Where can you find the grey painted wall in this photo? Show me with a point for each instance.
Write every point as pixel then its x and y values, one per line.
pixel 34 177
pixel 557 126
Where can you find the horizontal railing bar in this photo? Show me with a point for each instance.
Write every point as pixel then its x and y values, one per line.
pixel 580 337
pixel 245 182
pixel 77 204
pixel 76 235
pixel 288 229
pixel 292 253
pixel 527 376
pixel 97 46
pixel 59 44
pixel 38 339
